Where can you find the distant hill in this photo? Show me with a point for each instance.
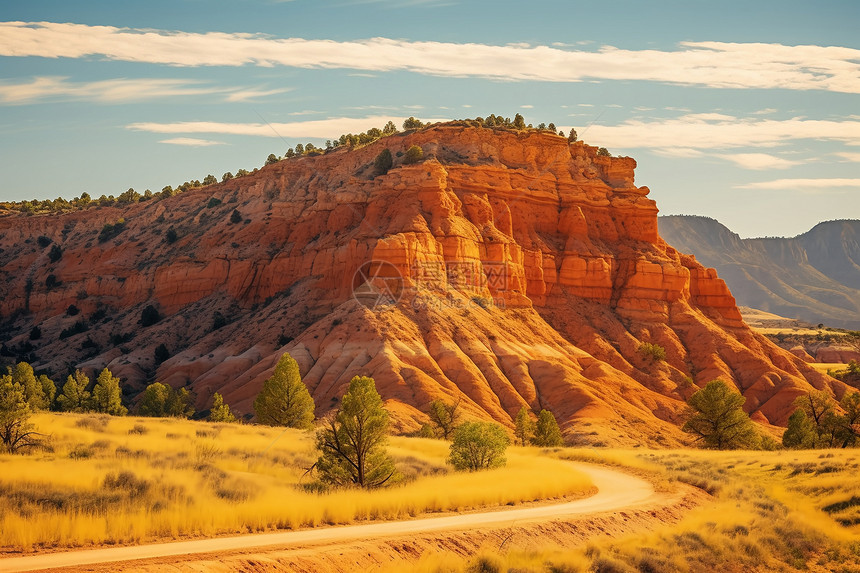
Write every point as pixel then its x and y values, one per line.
pixel 813 277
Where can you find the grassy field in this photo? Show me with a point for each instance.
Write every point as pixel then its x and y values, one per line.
pixel 824 367
pixel 109 480
pixel 772 511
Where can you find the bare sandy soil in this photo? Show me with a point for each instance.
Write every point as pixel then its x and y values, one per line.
pixel 623 503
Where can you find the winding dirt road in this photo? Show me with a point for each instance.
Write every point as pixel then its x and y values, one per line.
pixel 617 491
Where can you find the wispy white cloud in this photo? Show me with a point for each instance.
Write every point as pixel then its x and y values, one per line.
pixel 850 156
pixel 758 160
pixel 106 91
pixel 319 129
pixel 718 131
pixel 527 106
pixel 713 64
pixel 803 184
pixel 684 152
pixel 252 94
pixel 191 142
pixel 120 90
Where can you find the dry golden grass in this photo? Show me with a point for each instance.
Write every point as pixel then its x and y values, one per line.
pixel 772 511
pixel 122 480
pixel 823 367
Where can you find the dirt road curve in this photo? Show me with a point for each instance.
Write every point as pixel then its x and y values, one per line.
pixel 616 491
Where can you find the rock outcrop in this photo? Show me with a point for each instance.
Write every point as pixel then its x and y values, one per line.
pixel 526 271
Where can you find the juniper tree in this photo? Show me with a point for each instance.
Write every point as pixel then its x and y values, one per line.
pixel 285 400
pixel 352 441
pixel 717 418
pixel 547 432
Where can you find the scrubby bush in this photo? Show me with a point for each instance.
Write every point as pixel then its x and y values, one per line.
pixel 478 446
pixel 55 254
pixel 161 353
pixel 111 230
pixel 235 217
pixel 383 162
pixel 413 155
pixel 652 351
pixel 149 316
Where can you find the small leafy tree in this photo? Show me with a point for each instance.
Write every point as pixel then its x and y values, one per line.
pixel 107 396
pixel 412 123
pixel 850 421
pixel 160 400
pixel 717 418
pixel 413 155
pixel 352 442
pixel 210 180
pixel 272 158
pixel 547 432
pixel 75 397
pixel 478 445
pixel 572 137
pixel 285 400
pixel 383 162
pixel 820 408
pixel 220 412
pixel 444 416
pixel 800 433
pixel 524 426
pixel 519 122
pixel 154 400
pixel 15 431
pixel 603 152
pixel 180 403
pixel 34 390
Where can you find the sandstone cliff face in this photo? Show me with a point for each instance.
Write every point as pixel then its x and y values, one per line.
pixel 532 271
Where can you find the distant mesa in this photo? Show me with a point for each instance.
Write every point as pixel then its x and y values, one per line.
pixel 814 277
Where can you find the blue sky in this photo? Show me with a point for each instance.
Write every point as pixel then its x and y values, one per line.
pixel 748 112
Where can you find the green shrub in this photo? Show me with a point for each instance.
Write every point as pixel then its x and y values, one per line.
pixel 478 445
pixel 149 316
pixel 383 162
pixel 55 254
pixel 413 155
pixel 653 351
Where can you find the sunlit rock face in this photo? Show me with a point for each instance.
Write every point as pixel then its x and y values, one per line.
pixel 513 268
